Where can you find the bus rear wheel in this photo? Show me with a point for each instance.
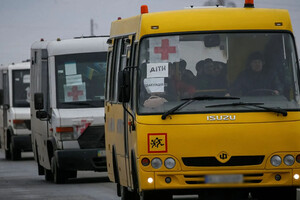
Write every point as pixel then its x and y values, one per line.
pixel 48 175
pixel 14 152
pixel 7 154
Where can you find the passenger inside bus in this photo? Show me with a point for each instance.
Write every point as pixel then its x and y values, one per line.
pixel 211 75
pixel 179 84
pixel 256 79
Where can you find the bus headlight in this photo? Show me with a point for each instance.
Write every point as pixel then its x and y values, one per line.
pixel 276 161
pixel 156 163
pixel 289 160
pixel 170 163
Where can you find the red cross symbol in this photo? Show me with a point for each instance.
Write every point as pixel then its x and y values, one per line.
pixel 84 126
pixel 165 49
pixel 75 93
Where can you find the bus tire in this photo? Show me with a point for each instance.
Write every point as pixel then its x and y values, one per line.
pixel 48 175
pixel 14 152
pixel 71 174
pixel 7 154
pixel 128 195
pixel 7 142
pixel 58 174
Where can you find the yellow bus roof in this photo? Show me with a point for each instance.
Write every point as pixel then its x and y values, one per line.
pixel 203 19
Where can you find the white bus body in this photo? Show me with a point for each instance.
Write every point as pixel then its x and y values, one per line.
pixel 68 128
pixel 14 110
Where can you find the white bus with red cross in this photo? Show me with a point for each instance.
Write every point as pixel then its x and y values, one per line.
pixel 67 111
pixel 14 109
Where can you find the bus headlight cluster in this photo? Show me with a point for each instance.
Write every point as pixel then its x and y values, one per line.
pixel 170 163
pixel 276 161
pixel 157 163
pixel 288 160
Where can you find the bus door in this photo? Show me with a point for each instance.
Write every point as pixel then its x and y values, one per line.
pixel 115 113
pixel 39 84
pixel 127 59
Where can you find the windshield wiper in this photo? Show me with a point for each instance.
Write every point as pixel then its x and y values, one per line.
pixel 257 105
pixel 190 100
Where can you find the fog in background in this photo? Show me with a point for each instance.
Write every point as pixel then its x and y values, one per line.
pixel 23 22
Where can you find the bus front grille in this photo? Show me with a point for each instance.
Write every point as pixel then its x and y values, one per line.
pixel 213 162
pixel 92 137
pixel 200 179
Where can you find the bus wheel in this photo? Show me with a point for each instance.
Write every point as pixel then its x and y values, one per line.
pixel 7 154
pixel 128 195
pixel 58 174
pixel 14 152
pixel 71 174
pixel 48 175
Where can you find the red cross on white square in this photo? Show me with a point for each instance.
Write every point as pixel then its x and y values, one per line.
pixel 75 93
pixel 165 49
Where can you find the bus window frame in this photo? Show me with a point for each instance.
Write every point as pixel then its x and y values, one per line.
pixel 108 75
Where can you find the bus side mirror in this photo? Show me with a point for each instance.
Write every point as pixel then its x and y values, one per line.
pixel 41 114
pixel 38 101
pixel 1 97
pixel 124 86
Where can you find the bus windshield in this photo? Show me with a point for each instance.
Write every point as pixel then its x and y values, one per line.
pixel 80 80
pixel 257 68
pixel 21 88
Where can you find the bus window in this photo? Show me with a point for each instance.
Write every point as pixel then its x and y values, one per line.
pixel 108 75
pixel 183 66
pixel 115 68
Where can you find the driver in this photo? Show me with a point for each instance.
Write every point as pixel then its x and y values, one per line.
pixel 256 78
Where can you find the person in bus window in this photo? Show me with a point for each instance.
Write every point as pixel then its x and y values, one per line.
pixel 211 75
pixel 183 80
pixel 256 79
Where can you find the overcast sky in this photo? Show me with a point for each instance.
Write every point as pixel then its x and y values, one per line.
pixel 23 22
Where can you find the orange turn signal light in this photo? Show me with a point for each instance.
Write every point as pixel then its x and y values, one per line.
pixel 18 121
pixel 64 129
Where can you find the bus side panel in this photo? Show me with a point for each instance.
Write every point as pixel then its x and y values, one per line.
pixel 115 142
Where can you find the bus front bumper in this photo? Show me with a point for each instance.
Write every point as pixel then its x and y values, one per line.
pixel 22 142
pixel 81 159
pixel 198 179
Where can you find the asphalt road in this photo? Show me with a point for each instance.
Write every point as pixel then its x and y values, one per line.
pixel 19 181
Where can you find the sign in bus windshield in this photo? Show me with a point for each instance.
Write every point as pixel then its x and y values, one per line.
pixel 80 80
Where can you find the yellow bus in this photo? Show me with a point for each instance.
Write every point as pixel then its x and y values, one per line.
pixel 203 101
